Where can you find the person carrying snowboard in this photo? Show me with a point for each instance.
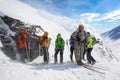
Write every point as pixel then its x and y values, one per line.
pixel 59 47
pixel 44 42
pixel 90 44
pixel 79 36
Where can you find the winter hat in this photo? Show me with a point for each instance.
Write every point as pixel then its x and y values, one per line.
pixel 58 35
pixel 25 31
pixel 45 33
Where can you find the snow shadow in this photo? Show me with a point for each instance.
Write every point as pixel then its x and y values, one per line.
pixel 53 66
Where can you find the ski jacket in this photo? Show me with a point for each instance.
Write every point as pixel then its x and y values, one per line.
pixel 59 43
pixel 44 41
pixel 79 36
pixel 22 39
pixel 91 42
pixel 72 44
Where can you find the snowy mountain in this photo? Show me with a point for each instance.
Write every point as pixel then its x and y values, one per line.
pixel 112 39
pixel 107 66
pixel 113 34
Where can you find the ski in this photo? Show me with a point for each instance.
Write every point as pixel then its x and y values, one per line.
pixel 96 67
pixel 93 69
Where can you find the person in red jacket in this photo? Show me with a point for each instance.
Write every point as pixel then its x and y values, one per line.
pixel 23 44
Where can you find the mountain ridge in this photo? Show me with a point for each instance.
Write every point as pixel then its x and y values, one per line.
pixel 113 34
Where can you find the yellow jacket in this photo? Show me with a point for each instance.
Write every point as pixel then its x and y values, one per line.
pixel 44 41
pixel 91 42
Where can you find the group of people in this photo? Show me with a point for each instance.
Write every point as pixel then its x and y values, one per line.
pixel 59 47
pixel 80 41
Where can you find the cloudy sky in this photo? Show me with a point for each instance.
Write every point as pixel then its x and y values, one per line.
pixel 101 14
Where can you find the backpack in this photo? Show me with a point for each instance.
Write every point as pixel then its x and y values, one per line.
pixel 94 40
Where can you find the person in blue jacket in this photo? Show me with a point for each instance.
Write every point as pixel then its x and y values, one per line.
pixel 72 45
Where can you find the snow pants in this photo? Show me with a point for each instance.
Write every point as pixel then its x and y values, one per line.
pixel 61 55
pixel 89 56
pixel 46 54
pixel 79 49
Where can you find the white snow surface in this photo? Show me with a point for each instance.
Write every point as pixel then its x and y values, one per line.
pixel 13 70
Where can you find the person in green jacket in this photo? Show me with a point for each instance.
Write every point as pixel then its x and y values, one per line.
pixel 91 42
pixel 59 47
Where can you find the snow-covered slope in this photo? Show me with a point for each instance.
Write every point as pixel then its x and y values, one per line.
pixel 112 39
pixel 10 70
pixel 27 14
pixel 113 34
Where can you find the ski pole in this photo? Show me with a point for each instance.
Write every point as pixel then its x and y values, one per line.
pixel 27 52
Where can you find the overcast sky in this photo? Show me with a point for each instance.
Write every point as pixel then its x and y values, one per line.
pixel 101 14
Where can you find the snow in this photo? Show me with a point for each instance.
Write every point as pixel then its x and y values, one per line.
pixel 13 70
pixel 5 27
pixel 114 45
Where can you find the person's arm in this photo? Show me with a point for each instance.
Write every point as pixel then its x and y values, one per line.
pixel 74 35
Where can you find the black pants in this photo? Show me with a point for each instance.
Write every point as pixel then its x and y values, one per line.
pixel 84 52
pixel 46 54
pixel 89 56
pixel 61 55
pixel 71 55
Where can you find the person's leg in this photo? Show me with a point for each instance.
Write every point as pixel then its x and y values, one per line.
pixel 45 55
pixel 71 55
pixel 88 56
pixel 84 52
pixel 23 55
pixel 61 56
pixel 77 55
pixel 81 50
pixel 77 51
pixel 55 56
pixel 91 58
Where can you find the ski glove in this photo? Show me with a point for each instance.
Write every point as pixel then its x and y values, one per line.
pixel 78 38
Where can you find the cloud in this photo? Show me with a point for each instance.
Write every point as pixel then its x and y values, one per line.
pixel 89 17
pixel 110 16
pixel 105 17
pixel 102 21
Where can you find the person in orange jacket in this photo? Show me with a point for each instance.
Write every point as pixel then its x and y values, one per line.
pixel 23 42
pixel 44 42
